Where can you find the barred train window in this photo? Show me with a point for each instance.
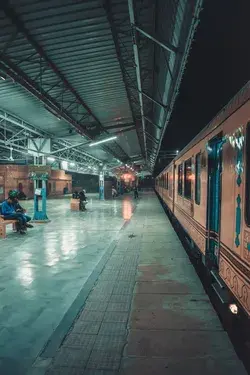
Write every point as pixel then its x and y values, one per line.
pixel 247 214
pixel 167 181
pixel 198 178
pixel 180 173
pixel 188 178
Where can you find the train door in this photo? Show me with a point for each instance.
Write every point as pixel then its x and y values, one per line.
pixel 214 201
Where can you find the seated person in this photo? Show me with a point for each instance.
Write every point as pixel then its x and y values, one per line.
pixel 9 213
pixel 20 209
pixel 83 200
pixel 75 195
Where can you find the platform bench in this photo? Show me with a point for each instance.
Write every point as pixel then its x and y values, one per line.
pixel 4 223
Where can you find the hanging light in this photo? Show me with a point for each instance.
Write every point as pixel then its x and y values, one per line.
pixel 102 141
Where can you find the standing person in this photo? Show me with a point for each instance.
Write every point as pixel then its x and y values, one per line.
pixel 136 195
pixel 9 213
pixel 114 192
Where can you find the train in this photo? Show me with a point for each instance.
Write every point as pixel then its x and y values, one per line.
pixel 206 189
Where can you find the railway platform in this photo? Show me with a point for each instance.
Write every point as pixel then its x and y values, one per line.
pixel 105 292
pixel 147 312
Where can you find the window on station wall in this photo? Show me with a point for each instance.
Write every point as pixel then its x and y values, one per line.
pixel 247 213
pixel 198 178
pixel 180 175
pixel 167 181
pixel 188 178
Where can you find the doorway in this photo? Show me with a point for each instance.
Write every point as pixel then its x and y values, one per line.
pixel 214 201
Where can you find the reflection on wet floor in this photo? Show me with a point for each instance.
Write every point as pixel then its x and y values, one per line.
pixel 42 273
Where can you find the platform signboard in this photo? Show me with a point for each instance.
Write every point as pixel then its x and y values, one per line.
pixel 39 172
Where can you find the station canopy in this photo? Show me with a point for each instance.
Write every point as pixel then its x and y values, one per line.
pixel 79 72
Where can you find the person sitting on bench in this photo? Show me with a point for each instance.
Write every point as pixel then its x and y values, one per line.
pixel 9 213
pixel 20 209
pixel 13 194
pixel 83 200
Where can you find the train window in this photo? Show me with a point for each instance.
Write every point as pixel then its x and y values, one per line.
pixel 247 214
pixel 198 178
pixel 188 178
pixel 180 174
pixel 167 181
pixel 170 184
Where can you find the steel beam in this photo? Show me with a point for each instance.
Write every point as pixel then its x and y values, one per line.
pixel 118 126
pixel 151 122
pixel 107 7
pixel 167 46
pixel 69 147
pixel 11 14
pixel 124 130
pixel 138 72
pixel 29 84
pixel 31 132
pixel 154 101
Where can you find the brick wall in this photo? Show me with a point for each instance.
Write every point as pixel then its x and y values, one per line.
pixel 16 177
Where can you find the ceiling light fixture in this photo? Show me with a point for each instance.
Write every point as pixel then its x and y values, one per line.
pixel 64 164
pixel 50 158
pixel 102 141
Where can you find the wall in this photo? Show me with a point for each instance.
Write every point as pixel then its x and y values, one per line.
pixel 16 177
pixel 85 181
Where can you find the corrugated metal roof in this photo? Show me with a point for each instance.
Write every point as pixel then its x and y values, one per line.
pixel 83 39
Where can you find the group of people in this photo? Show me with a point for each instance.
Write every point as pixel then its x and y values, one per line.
pixel 12 210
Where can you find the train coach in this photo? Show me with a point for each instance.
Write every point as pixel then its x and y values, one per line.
pixel 207 189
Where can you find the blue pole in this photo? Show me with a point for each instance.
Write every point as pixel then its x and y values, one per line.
pixel 40 216
pixel 101 185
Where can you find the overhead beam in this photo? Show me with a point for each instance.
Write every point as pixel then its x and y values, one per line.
pixel 11 14
pixel 118 126
pixel 138 72
pixel 107 7
pixel 167 46
pixel 69 147
pixel 154 101
pixel 30 129
pixel 124 130
pixel 151 122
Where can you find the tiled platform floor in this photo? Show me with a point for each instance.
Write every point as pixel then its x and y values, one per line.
pixel 147 313
pixel 43 275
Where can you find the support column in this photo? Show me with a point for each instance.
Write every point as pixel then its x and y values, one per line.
pixel 40 215
pixel 101 184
